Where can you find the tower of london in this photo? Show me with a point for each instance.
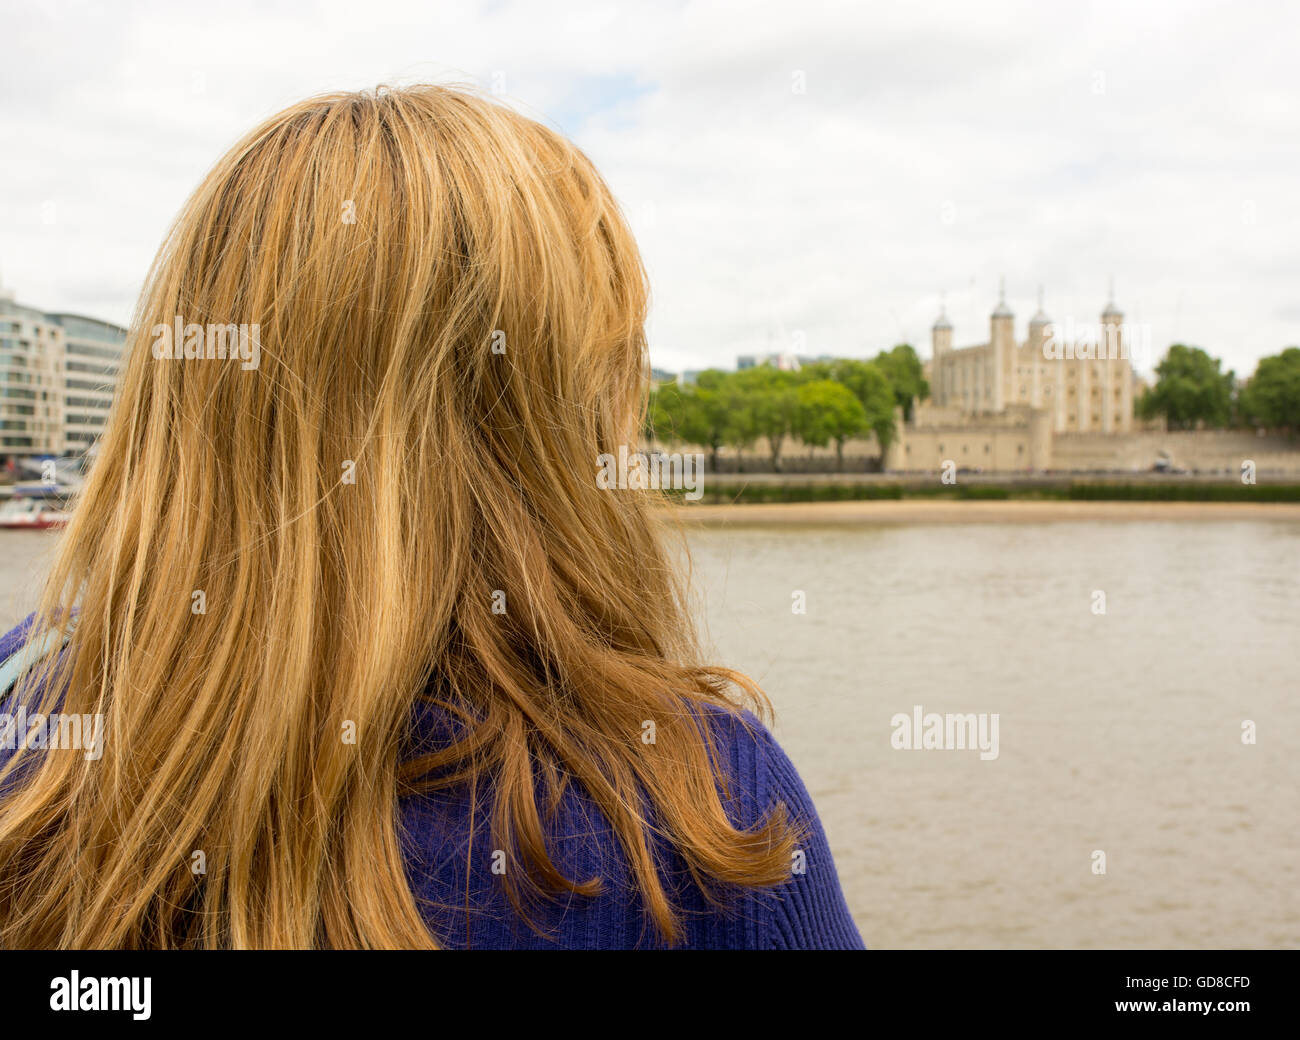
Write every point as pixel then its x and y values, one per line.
pixel 1084 386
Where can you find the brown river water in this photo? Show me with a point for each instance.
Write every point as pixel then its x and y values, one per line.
pixel 1117 732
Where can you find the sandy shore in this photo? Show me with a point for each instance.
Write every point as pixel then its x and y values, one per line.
pixel 950 511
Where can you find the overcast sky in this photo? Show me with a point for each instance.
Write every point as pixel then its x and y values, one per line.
pixel 934 147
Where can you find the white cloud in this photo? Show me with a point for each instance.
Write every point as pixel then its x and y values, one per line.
pixel 1066 143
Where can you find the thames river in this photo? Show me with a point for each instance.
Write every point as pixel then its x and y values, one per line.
pixel 1120 718
pixel 1118 732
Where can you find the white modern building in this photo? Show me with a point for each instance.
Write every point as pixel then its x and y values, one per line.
pixel 57 377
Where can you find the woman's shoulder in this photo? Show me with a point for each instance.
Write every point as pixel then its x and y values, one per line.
pixel 11 657
pixel 756 779
pixel 12 641
pixel 762 773
pixel 808 911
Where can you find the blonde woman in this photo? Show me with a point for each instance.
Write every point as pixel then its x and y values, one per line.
pixel 376 662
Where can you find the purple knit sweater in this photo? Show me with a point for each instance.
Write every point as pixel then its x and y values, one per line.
pixel 466 905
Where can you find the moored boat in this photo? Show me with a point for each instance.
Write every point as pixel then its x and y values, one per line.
pixel 32 513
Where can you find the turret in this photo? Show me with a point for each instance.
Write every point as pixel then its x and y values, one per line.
pixel 1112 327
pixel 1002 346
pixel 941 334
pixel 1039 327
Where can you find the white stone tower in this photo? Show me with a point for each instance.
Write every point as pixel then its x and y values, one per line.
pixel 1002 351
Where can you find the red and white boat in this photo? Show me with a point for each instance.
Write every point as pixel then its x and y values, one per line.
pixel 31 513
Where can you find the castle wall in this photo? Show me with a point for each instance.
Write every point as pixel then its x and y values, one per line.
pixel 991 449
pixel 1022 440
pixel 1204 450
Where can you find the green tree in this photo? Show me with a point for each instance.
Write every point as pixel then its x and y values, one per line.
pixel 770 398
pixel 906 376
pixel 665 413
pixel 868 384
pixel 1189 390
pixel 705 421
pixel 741 420
pixel 715 379
pixel 1272 397
pixel 712 413
pixel 827 411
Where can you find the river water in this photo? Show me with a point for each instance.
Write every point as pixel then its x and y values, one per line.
pixel 1118 732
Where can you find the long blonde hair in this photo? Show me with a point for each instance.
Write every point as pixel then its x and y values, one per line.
pixel 397 505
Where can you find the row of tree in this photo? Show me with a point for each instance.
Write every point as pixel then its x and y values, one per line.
pixel 1192 390
pixel 832 402
pixel 827 402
